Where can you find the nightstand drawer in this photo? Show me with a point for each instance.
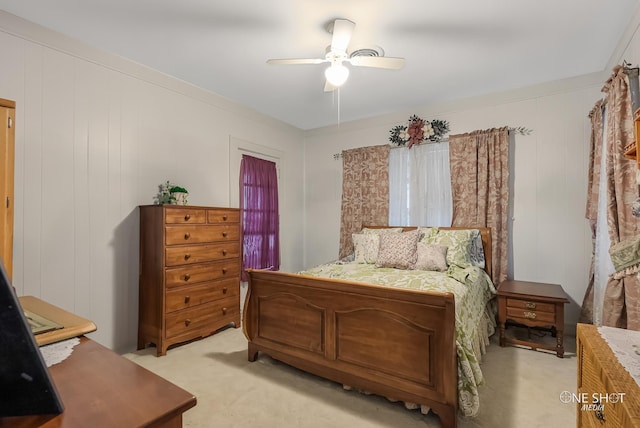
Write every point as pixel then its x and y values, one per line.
pixel 525 315
pixel 530 305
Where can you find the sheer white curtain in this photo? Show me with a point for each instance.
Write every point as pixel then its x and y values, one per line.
pixel 420 186
pixel 603 267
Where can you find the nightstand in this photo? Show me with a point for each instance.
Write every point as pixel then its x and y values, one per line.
pixel 532 304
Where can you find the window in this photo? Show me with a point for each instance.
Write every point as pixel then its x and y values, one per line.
pixel 420 186
pixel 259 214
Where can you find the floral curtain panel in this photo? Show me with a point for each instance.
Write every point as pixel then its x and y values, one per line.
pixel 365 192
pixel 480 188
pixel 595 155
pixel 621 306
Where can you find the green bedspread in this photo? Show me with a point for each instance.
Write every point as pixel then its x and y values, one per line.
pixel 474 319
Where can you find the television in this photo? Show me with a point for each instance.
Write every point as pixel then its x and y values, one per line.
pixel 26 386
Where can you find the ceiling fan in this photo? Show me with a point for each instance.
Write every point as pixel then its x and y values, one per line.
pixel 336 74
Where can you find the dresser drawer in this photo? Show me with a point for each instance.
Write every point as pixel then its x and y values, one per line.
pixel 223 216
pixel 182 255
pixel 530 305
pixel 202 319
pixel 175 235
pixel 191 274
pixel 594 381
pixel 184 216
pixel 184 297
pixel 528 315
pixel 609 415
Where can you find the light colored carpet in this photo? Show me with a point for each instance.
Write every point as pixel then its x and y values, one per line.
pixel 522 389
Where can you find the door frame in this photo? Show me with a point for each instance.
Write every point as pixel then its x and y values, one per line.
pixel 7 156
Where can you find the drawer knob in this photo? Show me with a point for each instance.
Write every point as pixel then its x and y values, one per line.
pixel 187 277
pixel 224 217
pixel 187 322
pixel 224 311
pixel 224 234
pixel 187 235
pixel 224 270
pixel 530 305
pixel 187 217
pixel 187 299
pixel 530 315
pixel 187 256
pixel 224 290
pixel 224 252
pixel 599 411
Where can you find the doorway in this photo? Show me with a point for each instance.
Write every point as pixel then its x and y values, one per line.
pixel 7 153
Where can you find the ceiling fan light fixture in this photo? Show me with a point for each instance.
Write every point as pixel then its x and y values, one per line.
pixel 336 74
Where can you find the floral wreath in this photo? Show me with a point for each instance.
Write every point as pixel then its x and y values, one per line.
pixel 418 130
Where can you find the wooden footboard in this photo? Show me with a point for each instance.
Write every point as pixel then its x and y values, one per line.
pixel 392 342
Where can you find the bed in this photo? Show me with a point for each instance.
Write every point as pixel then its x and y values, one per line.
pixel 406 339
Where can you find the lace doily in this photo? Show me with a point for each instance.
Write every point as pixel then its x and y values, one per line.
pixel 58 352
pixel 625 345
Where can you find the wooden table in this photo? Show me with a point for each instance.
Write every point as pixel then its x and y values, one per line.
pixel 74 325
pixel 100 388
pixel 532 304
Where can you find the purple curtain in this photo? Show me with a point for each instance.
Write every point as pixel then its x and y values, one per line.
pixel 259 211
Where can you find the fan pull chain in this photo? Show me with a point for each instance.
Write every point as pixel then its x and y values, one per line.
pixel 338 106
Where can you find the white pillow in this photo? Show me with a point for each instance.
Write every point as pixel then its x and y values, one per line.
pixel 431 257
pixel 365 247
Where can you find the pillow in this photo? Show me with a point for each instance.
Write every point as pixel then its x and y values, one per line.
pixel 367 230
pixel 365 247
pixel 458 243
pixel 398 250
pixel 477 251
pixel 425 232
pixel 431 257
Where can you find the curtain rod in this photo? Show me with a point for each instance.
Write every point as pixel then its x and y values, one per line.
pixel 516 130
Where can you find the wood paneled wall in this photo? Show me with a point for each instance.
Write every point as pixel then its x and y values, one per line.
pixel 96 136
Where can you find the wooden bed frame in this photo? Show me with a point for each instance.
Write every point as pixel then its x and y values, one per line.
pixel 396 343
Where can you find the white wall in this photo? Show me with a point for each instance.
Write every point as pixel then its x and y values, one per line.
pixel 551 239
pixel 95 136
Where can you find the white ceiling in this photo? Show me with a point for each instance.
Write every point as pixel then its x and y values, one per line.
pixel 454 49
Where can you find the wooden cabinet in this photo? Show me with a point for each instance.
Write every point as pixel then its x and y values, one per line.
pixel 190 262
pixel 601 380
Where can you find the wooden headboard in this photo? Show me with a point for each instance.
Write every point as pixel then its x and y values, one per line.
pixel 485 234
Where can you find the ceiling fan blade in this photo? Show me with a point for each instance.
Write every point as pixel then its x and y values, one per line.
pixel 377 62
pixel 296 61
pixel 342 31
pixel 328 87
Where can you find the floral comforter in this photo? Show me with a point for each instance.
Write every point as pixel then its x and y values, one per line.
pixel 475 320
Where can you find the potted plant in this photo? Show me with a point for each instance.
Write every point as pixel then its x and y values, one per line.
pixel 171 194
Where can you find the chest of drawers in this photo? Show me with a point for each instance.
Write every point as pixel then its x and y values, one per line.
pixel 602 380
pixel 190 262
